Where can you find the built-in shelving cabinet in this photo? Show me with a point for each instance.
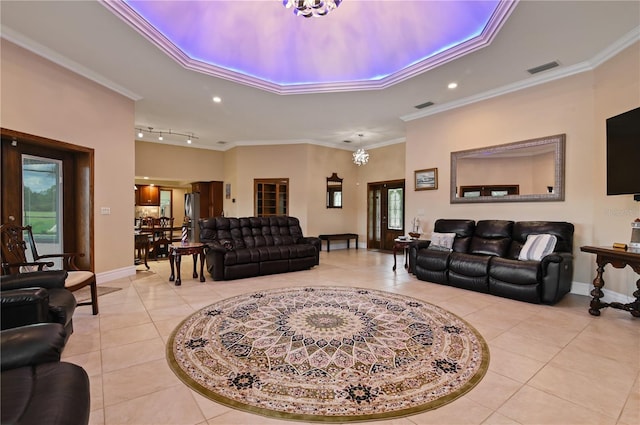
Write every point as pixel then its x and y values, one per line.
pixel 271 197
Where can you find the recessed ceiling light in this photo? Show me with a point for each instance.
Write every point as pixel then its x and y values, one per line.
pixel 452 85
pixel 217 99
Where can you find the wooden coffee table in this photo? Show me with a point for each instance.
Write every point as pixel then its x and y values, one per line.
pixel 177 250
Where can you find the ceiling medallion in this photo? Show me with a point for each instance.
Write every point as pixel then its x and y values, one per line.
pixel 360 156
pixel 311 8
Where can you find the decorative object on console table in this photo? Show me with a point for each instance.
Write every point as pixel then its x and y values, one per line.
pixel 619 259
pixel 635 234
pixel 426 179
pixel 415 228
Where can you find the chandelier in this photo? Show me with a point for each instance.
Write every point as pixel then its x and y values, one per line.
pixel 360 156
pixel 311 8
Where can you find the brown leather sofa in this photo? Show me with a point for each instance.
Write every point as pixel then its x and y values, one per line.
pixel 255 246
pixel 485 255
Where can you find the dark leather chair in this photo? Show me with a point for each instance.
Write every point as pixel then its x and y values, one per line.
pixel 36 297
pixel 36 388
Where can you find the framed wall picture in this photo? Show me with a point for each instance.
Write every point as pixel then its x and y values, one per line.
pixel 426 179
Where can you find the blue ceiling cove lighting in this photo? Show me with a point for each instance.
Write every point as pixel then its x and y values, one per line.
pixel 359 46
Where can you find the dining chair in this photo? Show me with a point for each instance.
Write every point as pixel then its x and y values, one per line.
pixel 162 236
pixel 14 261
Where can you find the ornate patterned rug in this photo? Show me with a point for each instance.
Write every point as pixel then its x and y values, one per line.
pixel 328 354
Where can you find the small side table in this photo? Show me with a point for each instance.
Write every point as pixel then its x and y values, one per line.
pixel 401 245
pixel 178 250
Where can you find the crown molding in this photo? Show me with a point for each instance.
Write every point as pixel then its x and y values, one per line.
pixel 40 50
pixel 627 40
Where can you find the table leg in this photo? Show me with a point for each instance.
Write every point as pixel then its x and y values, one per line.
pixel 146 254
pixel 406 257
pixel 596 292
pixel 178 260
pixel 195 261
pixel 172 254
pixel 356 242
pixel 201 267
pixel 395 249
pixel 328 245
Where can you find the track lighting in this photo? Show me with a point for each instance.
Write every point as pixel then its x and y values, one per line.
pixel 161 133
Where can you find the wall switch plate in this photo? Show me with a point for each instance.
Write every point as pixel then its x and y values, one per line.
pixel 105 210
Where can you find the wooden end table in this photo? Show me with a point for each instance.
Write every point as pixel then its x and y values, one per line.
pixel 178 250
pixel 401 245
pixel 618 258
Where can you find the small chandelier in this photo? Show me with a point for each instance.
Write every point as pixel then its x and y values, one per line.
pixel 311 8
pixel 360 156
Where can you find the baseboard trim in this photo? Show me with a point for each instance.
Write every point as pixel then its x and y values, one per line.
pixel 580 288
pixel 110 275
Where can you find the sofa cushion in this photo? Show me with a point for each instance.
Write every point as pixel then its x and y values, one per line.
pixel 537 247
pixel 515 271
pixel 491 237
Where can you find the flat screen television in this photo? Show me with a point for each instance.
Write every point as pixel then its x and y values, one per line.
pixel 623 153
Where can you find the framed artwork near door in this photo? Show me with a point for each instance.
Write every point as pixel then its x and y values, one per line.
pixel 426 179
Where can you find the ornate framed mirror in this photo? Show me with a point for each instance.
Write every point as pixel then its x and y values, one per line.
pixel 527 171
pixel 334 191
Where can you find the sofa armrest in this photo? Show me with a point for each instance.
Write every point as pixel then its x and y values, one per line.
pixel 557 275
pixel 316 242
pixel 31 345
pixel 22 307
pixel 414 247
pixel 48 279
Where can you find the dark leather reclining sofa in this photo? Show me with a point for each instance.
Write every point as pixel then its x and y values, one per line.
pixel 484 258
pixel 254 246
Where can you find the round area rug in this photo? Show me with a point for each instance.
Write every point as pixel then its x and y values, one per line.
pixel 328 354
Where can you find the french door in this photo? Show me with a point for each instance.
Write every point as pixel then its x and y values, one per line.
pixel 385 213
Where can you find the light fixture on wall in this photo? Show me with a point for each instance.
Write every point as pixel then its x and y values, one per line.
pixel 360 156
pixel 161 133
pixel 311 8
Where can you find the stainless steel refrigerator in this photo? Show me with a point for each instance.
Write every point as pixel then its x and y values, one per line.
pixel 192 212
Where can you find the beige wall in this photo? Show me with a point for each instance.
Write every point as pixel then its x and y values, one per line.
pixel 176 163
pixel 41 98
pixel 576 106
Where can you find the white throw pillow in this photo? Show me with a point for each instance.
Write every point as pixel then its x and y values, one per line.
pixel 537 246
pixel 442 241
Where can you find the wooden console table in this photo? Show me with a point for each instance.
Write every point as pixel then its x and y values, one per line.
pixel 339 237
pixel 619 259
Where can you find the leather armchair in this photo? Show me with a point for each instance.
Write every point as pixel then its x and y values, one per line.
pixel 36 297
pixel 36 388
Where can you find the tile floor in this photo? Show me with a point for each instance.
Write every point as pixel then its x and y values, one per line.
pixel 549 364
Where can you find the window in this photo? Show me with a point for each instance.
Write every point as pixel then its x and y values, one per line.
pixel 395 212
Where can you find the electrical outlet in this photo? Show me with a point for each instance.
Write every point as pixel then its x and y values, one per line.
pixel 105 210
